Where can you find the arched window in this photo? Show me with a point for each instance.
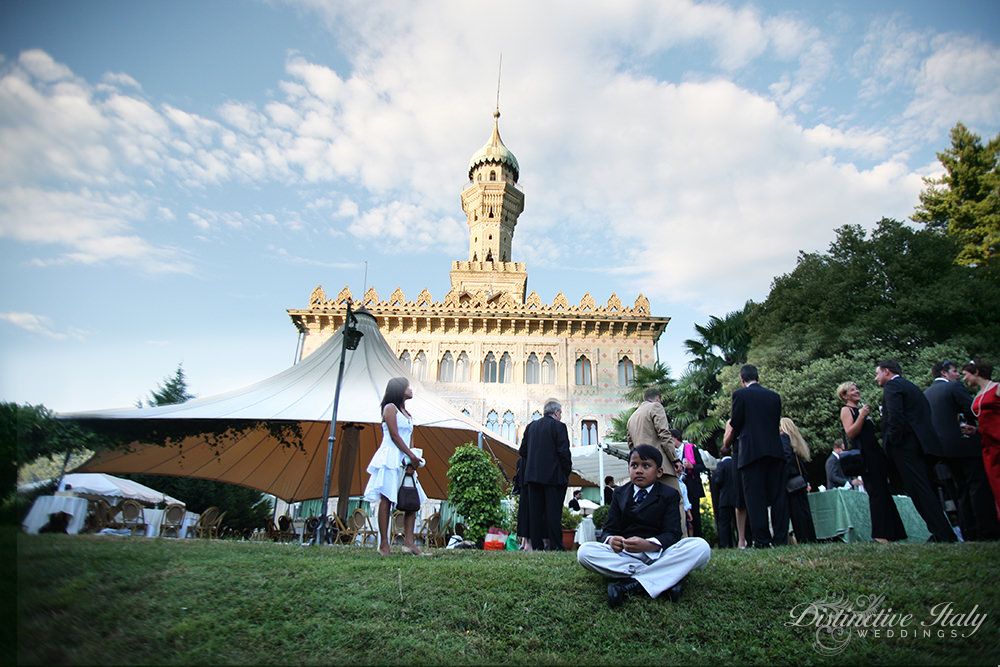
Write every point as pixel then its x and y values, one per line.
pixel 583 375
pixel 465 411
pixel 493 175
pixel 536 415
pixel 405 360
pixel 588 432
pixel 446 370
pixel 462 368
pixel 419 369
pixel 626 372
pixel 490 368
pixel 493 422
pixel 532 369
pixel 506 369
pixel 548 370
pixel 508 429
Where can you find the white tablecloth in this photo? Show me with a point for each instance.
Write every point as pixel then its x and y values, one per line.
pixel 38 516
pixel 586 532
pixel 190 521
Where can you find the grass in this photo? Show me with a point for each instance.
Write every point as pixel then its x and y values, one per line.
pixel 99 600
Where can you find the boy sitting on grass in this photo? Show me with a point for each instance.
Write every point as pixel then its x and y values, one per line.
pixel 642 547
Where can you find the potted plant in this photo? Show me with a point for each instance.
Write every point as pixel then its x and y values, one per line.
pixel 569 523
pixel 600 518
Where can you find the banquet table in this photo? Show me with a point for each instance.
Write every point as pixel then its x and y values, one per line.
pixel 844 514
pixel 586 532
pixel 39 513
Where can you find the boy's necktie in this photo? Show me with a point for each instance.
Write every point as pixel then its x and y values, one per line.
pixel 639 497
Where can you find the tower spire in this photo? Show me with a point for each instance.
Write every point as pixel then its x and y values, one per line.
pixel 496 114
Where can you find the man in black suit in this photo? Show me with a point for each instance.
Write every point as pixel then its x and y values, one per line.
pixel 755 424
pixel 547 463
pixel 643 549
pixel 574 502
pixel 835 477
pixel 961 452
pixel 724 480
pixel 609 489
pixel 908 433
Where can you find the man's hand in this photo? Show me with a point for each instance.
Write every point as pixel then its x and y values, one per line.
pixel 968 429
pixel 677 467
pixel 637 544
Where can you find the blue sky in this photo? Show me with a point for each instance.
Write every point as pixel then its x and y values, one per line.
pixel 175 175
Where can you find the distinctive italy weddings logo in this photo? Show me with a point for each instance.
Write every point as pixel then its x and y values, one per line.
pixel 839 619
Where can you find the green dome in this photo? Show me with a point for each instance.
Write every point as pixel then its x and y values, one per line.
pixel 494 152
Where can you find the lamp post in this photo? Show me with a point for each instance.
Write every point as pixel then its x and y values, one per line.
pixel 351 339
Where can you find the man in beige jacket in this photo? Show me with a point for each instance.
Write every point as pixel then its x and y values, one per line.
pixel 649 425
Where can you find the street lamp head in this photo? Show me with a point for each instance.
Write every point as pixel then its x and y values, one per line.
pixel 352 337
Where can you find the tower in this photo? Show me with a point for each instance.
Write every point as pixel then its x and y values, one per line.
pixel 492 203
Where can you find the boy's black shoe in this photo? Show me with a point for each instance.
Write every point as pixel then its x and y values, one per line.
pixel 619 590
pixel 674 592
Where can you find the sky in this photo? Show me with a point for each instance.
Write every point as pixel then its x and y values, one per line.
pixel 174 176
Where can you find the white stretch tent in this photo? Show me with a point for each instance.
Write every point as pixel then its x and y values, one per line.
pixel 190 440
pixel 107 486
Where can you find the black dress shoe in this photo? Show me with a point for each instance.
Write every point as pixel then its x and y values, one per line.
pixel 674 592
pixel 619 590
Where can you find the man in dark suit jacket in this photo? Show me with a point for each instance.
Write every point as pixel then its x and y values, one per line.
pixel 835 477
pixel 755 422
pixel 547 463
pixel 907 432
pixel 961 452
pixel 643 549
pixel 727 495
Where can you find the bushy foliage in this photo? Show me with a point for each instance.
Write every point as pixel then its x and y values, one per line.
pixel 246 509
pixel 570 520
pixel 475 489
pixel 601 516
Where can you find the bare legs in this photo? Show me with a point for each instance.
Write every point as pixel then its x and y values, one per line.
pixel 409 521
pixel 741 528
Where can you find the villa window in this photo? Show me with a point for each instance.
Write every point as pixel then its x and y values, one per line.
pixel 508 429
pixel 446 371
pixel 548 370
pixel 583 371
pixel 405 360
pixel 506 369
pixel 588 432
pixel 626 372
pixel 493 421
pixel 419 369
pixel 536 415
pixel 532 370
pixel 490 368
pixel 462 368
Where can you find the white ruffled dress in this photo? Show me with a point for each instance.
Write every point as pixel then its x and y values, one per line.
pixel 386 467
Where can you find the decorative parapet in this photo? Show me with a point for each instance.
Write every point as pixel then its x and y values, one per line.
pixel 501 303
pixel 502 267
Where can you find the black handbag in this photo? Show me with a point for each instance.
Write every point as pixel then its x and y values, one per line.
pixel 796 483
pixel 852 463
pixel 407 498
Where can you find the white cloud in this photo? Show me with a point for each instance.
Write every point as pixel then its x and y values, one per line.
pixel 401 227
pixel 39 324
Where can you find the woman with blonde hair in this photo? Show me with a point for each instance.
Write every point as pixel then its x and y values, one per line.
pixel 860 432
pixel 797 484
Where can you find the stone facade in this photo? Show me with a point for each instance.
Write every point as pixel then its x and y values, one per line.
pixel 494 351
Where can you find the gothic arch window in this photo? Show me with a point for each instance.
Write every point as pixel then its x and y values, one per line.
pixel 493 421
pixel 446 371
pixel 583 371
pixel 506 369
pixel 493 177
pixel 465 411
pixel 626 372
pixel 405 360
pixel 588 432
pixel 532 370
pixel 548 369
pixel 536 415
pixel 479 177
pixel 462 368
pixel 508 429
pixel 490 368
pixel 419 368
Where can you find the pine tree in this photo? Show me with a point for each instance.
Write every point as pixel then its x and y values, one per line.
pixel 173 390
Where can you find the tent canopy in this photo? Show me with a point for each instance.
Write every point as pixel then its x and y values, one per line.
pixel 243 437
pixel 107 486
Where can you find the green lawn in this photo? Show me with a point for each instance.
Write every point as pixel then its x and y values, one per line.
pixel 91 599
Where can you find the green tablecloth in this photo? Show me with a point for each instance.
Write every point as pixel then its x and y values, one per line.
pixel 845 514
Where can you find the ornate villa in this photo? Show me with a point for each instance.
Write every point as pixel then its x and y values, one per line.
pixel 494 350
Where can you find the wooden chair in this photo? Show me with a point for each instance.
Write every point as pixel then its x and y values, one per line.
pixel 286 529
pixel 346 532
pixel 133 517
pixel 173 520
pixel 216 530
pixel 433 537
pixel 361 524
pixel 396 528
pixel 205 522
pixel 310 528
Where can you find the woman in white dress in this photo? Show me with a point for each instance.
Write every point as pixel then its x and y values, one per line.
pixel 387 466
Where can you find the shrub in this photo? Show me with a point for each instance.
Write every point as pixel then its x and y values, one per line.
pixel 569 520
pixel 601 516
pixel 475 489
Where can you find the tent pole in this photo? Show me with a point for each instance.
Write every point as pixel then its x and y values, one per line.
pixel 479 439
pixel 351 337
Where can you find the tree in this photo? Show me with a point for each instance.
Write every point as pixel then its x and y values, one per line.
pixel 475 489
pixel 656 377
pixel 173 390
pixel 965 201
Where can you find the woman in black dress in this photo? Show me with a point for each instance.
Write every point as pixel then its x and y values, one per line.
pixel 798 503
pixel 860 431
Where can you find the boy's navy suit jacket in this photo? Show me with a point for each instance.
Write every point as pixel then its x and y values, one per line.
pixel 657 516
